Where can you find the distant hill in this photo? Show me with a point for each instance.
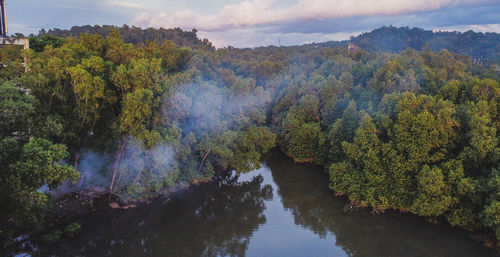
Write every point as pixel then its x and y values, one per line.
pixel 394 40
pixel 485 46
pixel 136 35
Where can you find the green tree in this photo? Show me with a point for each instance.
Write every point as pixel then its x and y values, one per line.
pixel 27 163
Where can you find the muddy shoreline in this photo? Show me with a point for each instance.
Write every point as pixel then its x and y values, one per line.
pixel 72 207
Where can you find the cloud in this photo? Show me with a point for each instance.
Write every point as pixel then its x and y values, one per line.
pixel 486 28
pixel 264 12
pixel 259 22
pixel 478 28
pixel 76 7
pixel 448 17
pixel 249 37
pixel 125 5
pixel 243 23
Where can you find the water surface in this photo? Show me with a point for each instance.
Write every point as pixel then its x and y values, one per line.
pixel 282 209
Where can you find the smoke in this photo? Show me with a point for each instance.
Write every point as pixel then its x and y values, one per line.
pixel 96 168
pixel 190 113
pixel 91 167
pixel 207 107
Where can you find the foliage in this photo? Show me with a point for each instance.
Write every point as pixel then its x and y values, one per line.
pixel 135 35
pixel 414 131
pixel 72 228
pixel 39 44
pixel 28 163
pixel 52 236
pixel 395 40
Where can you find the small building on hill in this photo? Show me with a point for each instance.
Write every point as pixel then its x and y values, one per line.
pixel 352 48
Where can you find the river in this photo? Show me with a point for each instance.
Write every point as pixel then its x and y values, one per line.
pixel 282 209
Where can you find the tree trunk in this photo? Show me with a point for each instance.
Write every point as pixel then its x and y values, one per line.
pixel 116 164
pixel 204 157
pixel 121 175
pixel 156 119
pixel 77 158
pixel 119 179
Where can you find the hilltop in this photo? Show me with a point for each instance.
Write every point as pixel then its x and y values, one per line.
pixel 395 40
pixel 135 35
pixel 385 39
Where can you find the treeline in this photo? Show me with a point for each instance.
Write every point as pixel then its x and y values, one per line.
pixel 478 45
pixel 415 131
pixel 483 46
pixel 134 35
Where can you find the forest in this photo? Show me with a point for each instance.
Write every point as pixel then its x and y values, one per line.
pixel 140 112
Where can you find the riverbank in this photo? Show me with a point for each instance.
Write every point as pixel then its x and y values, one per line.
pixel 484 236
pixel 71 207
pixel 282 209
pixel 234 206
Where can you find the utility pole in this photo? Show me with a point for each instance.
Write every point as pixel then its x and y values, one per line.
pixel 3 19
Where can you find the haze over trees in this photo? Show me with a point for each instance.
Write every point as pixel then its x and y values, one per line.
pixel 412 131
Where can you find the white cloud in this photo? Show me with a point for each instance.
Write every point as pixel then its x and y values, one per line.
pixel 486 28
pixel 125 5
pixel 474 27
pixel 263 12
pixel 20 27
pixel 248 37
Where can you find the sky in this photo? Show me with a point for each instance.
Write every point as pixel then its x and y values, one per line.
pixel 252 23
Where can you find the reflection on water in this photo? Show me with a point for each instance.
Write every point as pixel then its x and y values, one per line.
pixel 283 209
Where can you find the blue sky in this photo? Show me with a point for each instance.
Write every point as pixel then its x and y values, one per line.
pixel 250 23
